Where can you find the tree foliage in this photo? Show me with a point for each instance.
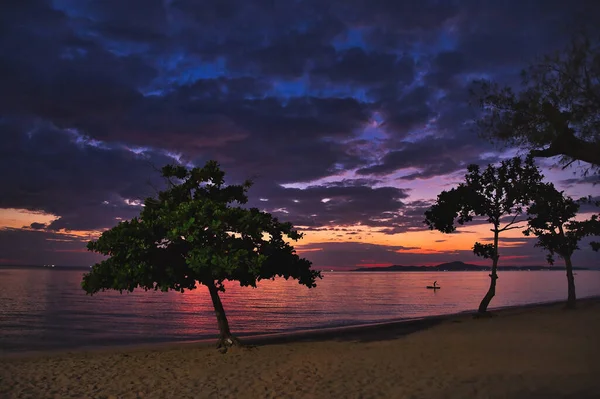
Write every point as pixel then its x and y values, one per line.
pixel 493 193
pixel 591 226
pixel 197 231
pixel 556 111
pixel 498 194
pixel 551 221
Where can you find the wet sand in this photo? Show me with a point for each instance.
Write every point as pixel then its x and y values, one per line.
pixel 530 352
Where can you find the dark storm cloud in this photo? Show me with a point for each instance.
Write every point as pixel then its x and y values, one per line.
pixel 299 141
pixel 132 20
pixel 495 35
pixel 346 203
pixel 446 67
pixel 433 157
pixel 60 174
pixel 339 204
pixel 356 66
pixel 234 128
pixel 589 179
pixel 279 91
pixel 99 94
pixel 411 218
pixel 399 24
pixel 290 56
pixel 37 226
pixel 455 116
pixel 404 112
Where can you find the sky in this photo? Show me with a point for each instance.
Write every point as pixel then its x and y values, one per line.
pixel 349 115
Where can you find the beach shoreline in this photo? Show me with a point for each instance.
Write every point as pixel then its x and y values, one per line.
pixel 529 351
pixel 321 333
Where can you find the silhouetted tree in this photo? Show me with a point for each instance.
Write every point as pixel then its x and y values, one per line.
pixel 496 193
pixel 193 233
pixel 591 226
pixel 557 110
pixel 550 219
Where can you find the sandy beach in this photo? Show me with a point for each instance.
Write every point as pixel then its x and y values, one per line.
pixel 532 352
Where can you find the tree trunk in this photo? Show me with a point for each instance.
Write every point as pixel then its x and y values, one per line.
pixel 493 277
pixel 226 340
pixel 571 299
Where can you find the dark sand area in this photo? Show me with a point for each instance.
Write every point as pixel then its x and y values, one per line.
pixel 529 352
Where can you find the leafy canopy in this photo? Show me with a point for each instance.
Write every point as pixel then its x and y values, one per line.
pixel 492 193
pixel 196 231
pixel 556 110
pixel 591 226
pixel 550 220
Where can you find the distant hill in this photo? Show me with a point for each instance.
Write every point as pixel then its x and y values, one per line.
pixel 456 267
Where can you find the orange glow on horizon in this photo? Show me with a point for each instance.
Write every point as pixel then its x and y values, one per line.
pixel 19 218
pixel 415 242
pixel 300 249
pixel 418 242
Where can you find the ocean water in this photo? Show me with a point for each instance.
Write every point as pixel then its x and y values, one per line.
pixel 47 309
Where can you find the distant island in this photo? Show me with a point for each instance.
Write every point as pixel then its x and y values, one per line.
pixel 457 267
pixel 449 267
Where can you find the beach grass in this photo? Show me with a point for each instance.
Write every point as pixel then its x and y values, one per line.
pixel 529 352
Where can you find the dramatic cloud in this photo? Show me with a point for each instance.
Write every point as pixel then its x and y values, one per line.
pixel 432 157
pixel 342 203
pixel 348 114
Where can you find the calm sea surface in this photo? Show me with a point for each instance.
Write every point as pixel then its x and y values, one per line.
pixel 47 309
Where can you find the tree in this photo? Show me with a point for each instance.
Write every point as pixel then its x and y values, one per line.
pixel 591 226
pixel 498 194
pixel 550 220
pixel 557 110
pixel 197 232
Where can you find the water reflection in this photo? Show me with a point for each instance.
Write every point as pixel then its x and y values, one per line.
pixel 47 308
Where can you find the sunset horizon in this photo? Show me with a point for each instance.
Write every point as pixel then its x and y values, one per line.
pixel 348 125
pixel 242 199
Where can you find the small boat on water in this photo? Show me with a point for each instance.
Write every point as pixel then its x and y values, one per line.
pixel 431 287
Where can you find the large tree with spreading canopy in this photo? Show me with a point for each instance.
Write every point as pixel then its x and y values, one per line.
pixel 555 112
pixel 197 232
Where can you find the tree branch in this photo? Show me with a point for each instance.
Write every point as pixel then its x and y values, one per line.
pixel 587 89
pixel 511 223
pixel 568 145
pixel 508 226
pixel 568 164
pixel 514 227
